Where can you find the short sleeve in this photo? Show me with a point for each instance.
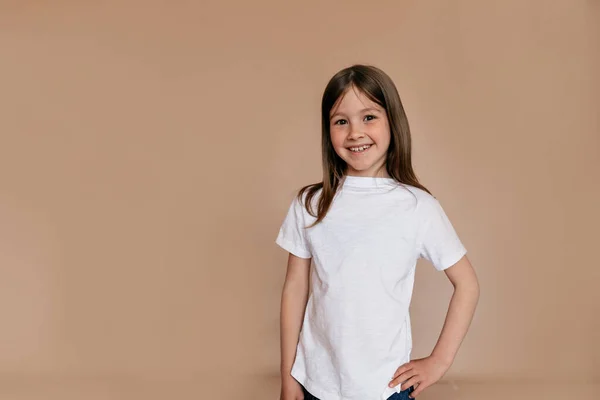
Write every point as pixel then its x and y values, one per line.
pixel 439 242
pixel 292 233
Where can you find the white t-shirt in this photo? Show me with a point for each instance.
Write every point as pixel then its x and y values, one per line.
pixel 356 330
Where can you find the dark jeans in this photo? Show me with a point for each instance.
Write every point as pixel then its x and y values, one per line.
pixel 403 395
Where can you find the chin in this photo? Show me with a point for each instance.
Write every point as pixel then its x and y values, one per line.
pixel 359 169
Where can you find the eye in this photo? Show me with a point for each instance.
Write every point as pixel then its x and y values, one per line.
pixel 370 117
pixel 340 122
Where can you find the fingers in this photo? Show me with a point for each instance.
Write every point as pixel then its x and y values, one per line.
pixel 414 394
pixel 401 369
pixel 419 388
pixel 411 382
pixel 403 377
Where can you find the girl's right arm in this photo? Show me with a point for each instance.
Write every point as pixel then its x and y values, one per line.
pixel 293 305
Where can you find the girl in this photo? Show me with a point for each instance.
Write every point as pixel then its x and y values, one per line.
pixel 364 227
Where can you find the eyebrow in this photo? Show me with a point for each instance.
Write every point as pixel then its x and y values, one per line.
pixel 361 111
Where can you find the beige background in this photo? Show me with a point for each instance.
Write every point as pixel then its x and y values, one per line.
pixel 149 151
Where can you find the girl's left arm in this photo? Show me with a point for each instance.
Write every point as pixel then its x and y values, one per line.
pixel 460 311
pixel 426 371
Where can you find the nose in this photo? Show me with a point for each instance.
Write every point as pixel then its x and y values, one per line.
pixel 355 132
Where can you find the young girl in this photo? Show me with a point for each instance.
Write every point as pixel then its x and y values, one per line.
pixel 364 227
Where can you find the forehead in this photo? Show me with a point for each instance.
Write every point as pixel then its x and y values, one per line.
pixel 353 100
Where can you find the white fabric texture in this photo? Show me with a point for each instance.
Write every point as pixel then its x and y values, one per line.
pixel 356 330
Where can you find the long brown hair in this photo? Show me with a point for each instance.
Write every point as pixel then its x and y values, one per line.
pixel 379 88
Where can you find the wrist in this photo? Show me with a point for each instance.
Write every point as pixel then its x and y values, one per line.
pixel 288 380
pixel 443 359
pixel 286 375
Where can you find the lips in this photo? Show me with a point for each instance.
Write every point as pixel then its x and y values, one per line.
pixel 360 149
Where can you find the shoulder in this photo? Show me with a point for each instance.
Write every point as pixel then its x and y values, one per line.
pixel 421 195
pixel 310 192
pixel 425 202
pixel 300 199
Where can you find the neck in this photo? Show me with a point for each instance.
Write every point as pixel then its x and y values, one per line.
pixel 377 174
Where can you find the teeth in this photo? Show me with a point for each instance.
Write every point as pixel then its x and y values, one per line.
pixel 359 149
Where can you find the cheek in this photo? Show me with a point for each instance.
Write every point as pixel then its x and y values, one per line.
pixel 337 137
pixel 383 134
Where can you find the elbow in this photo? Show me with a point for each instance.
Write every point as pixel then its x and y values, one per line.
pixel 469 287
pixel 475 290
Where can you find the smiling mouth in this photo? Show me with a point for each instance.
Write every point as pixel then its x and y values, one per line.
pixel 360 149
